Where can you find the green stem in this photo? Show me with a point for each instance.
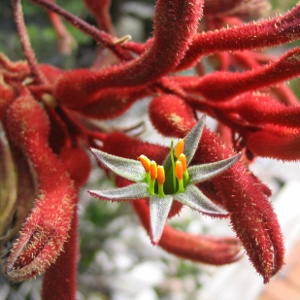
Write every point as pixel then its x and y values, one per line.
pixel 173 164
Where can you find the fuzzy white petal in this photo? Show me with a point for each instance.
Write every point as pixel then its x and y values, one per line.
pixel 128 168
pixel 191 140
pixel 195 199
pixel 130 192
pixel 159 211
pixel 199 173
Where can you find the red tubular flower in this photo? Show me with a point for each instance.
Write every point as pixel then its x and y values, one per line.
pixel 175 23
pixel 61 276
pixel 230 84
pixel 45 230
pixel 276 31
pixel 275 141
pixel 259 109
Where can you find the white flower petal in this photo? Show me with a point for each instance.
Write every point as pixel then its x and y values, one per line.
pixel 191 140
pixel 128 168
pixel 130 192
pixel 199 173
pixel 159 211
pixel 195 199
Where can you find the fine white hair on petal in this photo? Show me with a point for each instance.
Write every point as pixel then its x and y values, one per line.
pixel 128 168
pixel 130 192
pixel 199 173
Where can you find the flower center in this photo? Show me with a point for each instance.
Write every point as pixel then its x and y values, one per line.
pixel 171 180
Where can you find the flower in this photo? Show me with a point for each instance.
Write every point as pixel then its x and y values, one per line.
pixel 163 185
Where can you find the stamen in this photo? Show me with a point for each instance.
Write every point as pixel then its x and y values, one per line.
pixel 182 159
pixel 160 175
pixel 179 176
pixel 160 180
pixel 179 170
pixel 145 161
pixel 179 148
pixel 153 176
pixel 153 170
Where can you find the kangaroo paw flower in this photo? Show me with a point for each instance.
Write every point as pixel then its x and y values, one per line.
pixel 162 185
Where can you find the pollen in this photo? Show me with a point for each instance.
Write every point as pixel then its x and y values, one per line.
pixel 145 161
pixel 179 170
pixel 179 148
pixel 182 159
pixel 160 174
pixel 153 170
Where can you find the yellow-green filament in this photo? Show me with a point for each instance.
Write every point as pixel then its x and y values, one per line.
pixel 182 158
pixel 153 176
pixel 160 180
pixel 179 176
pixel 145 161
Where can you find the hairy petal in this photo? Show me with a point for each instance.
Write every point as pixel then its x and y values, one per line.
pixel 125 167
pixel 159 211
pixel 195 199
pixel 133 191
pixel 199 248
pixel 199 173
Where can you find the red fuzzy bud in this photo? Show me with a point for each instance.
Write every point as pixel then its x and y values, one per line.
pixel 171 122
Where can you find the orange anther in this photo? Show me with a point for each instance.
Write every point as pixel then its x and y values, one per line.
pixel 179 148
pixel 179 170
pixel 153 170
pixel 182 159
pixel 145 161
pixel 160 174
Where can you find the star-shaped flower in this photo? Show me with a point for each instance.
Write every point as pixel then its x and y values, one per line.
pixel 164 184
